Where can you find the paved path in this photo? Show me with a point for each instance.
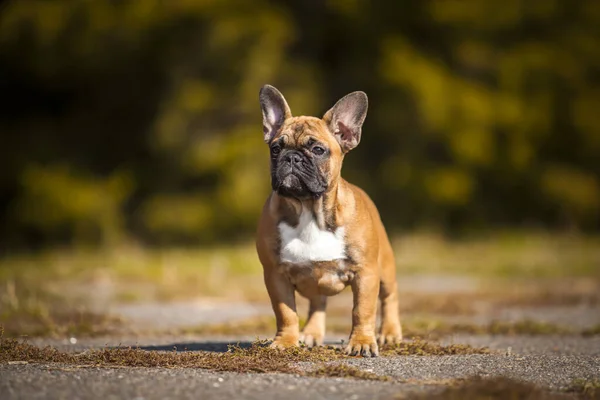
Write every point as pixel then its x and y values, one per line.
pixel 550 361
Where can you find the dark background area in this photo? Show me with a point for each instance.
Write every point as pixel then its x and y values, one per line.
pixel 139 120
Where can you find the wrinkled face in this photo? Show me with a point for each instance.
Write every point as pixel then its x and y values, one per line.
pixel 307 152
pixel 305 158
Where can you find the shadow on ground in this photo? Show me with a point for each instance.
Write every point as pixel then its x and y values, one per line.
pixel 214 345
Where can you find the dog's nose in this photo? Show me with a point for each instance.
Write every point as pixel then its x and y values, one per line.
pixel 293 157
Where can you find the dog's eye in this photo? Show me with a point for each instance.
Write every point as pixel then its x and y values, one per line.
pixel 276 149
pixel 318 150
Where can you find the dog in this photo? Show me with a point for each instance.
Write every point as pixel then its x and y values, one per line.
pixel 318 233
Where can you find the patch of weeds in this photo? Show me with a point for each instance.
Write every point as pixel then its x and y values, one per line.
pixel 477 388
pixel 419 347
pixel 436 328
pixel 27 310
pixel 18 350
pixel 257 358
pixel 561 296
pixel 424 327
pixel 594 330
pixel 174 273
pixel 585 388
pixel 525 327
pixel 54 323
pixel 346 371
pixel 481 301
pixel 507 254
pixel 413 328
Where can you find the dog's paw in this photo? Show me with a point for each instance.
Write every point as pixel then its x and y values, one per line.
pixel 363 345
pixel 312 339
pixel 390 335
pixel 284 342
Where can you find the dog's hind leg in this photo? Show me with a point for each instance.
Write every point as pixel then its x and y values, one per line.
pixel 313 332
pixel 391 330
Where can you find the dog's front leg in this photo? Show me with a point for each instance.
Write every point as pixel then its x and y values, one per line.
pixel 283 300
pixel 365 289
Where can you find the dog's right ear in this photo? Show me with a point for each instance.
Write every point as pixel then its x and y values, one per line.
pixel 275 111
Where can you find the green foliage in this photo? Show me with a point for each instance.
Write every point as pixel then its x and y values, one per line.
pixel 142 118
pixel 55 197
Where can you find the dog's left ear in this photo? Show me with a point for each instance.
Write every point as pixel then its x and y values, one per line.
pixel 345 119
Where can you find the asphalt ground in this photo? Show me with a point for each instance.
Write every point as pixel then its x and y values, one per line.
pixel 551 362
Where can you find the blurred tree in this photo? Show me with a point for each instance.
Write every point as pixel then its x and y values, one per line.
pixel 141 117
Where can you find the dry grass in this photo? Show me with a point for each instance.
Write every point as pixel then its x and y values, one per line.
pixel 133 273
pixel 477 388
pixel 592 331
pixel 56 321
pixel 503 295
pixel 346 371
pixel 585 388
pixel 139 274
pixel 430 328
pixel 420 347
pixel 524 255
pixel 32 311
pixel 433 328
pixel 59 323
pixel 37 290
pixel 257 358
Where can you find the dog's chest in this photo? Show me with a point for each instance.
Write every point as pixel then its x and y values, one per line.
pixel 307 242
pixel 314 259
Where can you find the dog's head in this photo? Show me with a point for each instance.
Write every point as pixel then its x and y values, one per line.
pixel 307 152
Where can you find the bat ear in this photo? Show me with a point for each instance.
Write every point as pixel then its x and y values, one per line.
pixel 275 111
pixel 345 119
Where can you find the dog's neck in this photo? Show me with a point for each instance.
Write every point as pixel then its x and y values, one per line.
pixel 324 209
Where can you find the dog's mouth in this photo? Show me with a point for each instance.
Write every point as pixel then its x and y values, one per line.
pixel 292 185
pixel 291 181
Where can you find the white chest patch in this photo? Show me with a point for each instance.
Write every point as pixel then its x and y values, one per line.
pixel 306 242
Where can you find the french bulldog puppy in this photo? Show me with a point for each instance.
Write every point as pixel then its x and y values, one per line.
pixel 318 233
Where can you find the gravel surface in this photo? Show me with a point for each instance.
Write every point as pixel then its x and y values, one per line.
pixel 552 371
pixel 549 361
pixel 56 382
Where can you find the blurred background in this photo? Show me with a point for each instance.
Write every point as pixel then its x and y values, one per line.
pixel 132 152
